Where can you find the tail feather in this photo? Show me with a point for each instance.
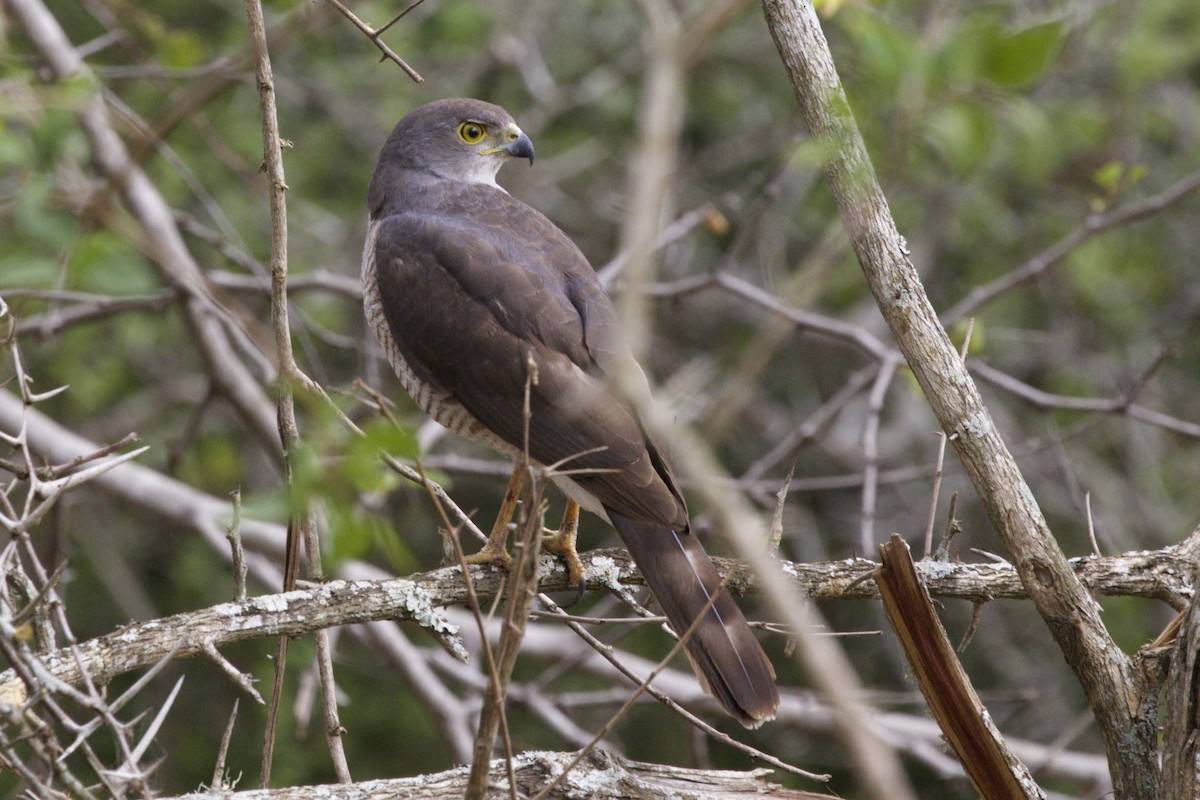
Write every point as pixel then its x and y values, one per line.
pixel 728 661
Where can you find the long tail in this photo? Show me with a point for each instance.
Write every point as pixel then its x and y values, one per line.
pixel 728 660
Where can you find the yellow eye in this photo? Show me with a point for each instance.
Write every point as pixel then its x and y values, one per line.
pixel 471 132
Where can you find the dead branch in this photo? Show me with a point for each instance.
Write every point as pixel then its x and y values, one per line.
pixel 994 770
pixel 303 525
pixel 374 35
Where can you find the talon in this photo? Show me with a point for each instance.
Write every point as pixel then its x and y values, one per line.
pixel 580 588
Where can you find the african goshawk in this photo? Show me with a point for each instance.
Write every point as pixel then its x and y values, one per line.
pixel 464 286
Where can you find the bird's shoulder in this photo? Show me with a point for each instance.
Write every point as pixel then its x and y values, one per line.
pixel 506 256
pixel 513 229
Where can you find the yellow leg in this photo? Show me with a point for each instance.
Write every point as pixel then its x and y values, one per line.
pixel 562 544
pixel 495 551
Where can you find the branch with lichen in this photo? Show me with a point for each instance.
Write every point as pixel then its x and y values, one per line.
pixel 1166 574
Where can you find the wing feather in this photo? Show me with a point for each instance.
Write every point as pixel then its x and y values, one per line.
pixel 470 303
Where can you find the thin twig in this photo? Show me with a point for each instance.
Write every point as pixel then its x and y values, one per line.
pixel 382 28
pixel 941 456
pixel 51 473
pixel 303 525
pixel 812 426
pixel 374 35
pixel 95 307
pixel 933 494
pixel 680 228
pixel 1091 525
pixel 644 686
pixel 1121 404
pixel 870 447
pixel 139 750
pixel 236 676
pixel 1058 252
pixel 489 657
pixel 522 588
pixel 942 554
pixel 234 534
pixel 218 778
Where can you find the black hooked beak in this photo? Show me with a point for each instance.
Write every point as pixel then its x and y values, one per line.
pixel 522 147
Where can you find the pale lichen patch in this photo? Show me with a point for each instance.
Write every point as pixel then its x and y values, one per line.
pixel 270 603
pixel 938 569
pixel 976 426
pixel 417 602
pixel 606 571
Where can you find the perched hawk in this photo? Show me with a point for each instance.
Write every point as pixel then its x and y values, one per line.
pixel 464 286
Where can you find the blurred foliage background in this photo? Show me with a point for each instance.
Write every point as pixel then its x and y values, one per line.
pixel 997 130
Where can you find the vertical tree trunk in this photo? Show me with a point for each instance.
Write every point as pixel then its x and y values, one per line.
pixel 1116 690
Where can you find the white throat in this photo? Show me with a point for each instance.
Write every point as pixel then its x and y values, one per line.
pixel 483 169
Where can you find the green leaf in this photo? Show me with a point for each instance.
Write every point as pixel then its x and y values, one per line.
pixel 1108 177
pixel 362 466
pixel 1113 178
pixel 1019 59
pixel 181 49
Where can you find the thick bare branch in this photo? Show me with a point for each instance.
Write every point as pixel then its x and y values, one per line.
pixel 1163 574
pixel 991 765
pixel 291 613
pixel 1115 689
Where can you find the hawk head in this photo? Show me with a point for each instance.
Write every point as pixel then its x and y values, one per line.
pixel 458 140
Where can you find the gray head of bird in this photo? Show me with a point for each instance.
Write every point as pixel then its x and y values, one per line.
pixel 458 139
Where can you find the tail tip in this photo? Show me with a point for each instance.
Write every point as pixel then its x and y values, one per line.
pixel 752 720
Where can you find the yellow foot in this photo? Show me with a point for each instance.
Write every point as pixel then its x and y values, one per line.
pixel 562 544
pixel 493 554
pixel 495 551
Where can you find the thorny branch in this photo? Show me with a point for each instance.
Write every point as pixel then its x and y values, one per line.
pixel 302 527
pixel 43 709
pixel 375 34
